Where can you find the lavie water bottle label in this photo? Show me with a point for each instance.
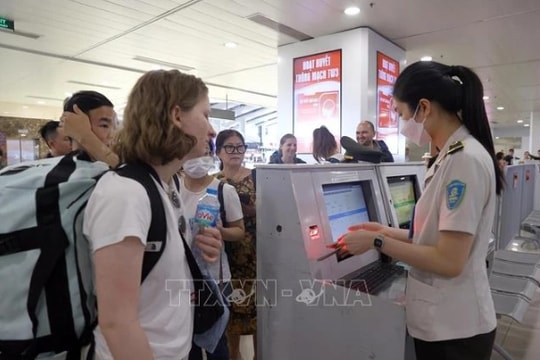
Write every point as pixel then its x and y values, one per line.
pixel 206 215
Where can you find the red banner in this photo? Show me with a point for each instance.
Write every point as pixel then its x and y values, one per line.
pixel 317 96
pixel 387 122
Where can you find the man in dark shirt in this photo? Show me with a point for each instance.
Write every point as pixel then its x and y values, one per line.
pixel 365 132
pixel 510 157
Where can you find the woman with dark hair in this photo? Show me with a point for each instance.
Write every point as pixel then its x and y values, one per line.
pixel 286 154
pixel 449 307
pixel 325 147
pixel 230 148
pixel 500 160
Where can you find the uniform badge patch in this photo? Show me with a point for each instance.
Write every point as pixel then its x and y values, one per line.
pixel 455 192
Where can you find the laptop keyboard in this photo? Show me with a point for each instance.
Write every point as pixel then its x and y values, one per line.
pixel 375 277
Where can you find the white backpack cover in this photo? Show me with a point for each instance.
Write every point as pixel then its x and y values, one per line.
pixel 47 306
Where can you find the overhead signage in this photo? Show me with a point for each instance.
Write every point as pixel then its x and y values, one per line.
pixel 387 122
pixel 317 96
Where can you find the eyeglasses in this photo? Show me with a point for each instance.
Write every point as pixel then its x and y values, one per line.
pixel 229 149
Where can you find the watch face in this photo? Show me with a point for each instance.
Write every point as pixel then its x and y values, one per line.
pixel 378 243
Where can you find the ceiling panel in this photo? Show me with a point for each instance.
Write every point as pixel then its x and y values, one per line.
pixel 497 38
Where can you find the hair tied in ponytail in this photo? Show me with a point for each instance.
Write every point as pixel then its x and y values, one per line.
pixel 453 72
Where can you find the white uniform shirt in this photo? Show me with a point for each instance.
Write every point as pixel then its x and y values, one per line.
pixel 120 207
pixel 459 196
pixel 233 211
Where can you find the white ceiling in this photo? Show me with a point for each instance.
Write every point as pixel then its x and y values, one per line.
pixel 94 42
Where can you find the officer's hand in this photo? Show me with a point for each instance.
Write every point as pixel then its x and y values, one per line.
pixel 355 242
pixel 210 242
pixel 368 226
pixel 76 124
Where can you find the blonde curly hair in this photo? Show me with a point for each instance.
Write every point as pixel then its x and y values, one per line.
pixel 148 133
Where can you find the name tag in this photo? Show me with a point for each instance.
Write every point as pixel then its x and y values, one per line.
pixel 153 246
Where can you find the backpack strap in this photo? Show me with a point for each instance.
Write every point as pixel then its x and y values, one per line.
pixel 254 177
pixel 222 213
pixel 157 234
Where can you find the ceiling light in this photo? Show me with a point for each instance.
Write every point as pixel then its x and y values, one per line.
pixel 25 107
pixel 526 125
pixel 426 58
pixel 41 102
pixel 230 45
pixel 42 98
pixel 93 85
pixel 520 121
pixel 68 94
pixel 497 137
pixel 486 98
pixel 500 107
pixel 351 11
pixel 163 63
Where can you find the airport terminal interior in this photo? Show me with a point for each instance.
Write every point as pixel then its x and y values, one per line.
pixel 274 67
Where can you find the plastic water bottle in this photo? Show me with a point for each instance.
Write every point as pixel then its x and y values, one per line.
pixel 206 215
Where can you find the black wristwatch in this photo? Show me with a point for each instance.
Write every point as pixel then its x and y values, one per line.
pixel 378 242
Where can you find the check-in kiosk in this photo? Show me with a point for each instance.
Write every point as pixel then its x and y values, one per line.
pixel 402 185
pixel 309 308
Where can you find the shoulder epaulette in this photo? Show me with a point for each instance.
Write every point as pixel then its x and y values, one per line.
pixel 455 147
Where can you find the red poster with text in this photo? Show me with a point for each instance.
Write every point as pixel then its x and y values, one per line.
pixel 387 122
pixel 317 96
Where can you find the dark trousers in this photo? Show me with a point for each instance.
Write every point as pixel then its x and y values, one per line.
pixel 474 348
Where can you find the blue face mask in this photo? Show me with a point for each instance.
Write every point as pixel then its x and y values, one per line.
pixel 415 131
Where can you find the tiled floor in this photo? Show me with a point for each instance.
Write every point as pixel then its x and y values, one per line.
pixel 521 341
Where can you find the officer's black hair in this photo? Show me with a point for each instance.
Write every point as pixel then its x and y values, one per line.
pixel 458 90
pixel 87 100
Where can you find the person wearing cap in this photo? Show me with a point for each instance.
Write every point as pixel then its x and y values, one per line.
pixel 59 144
pixel 365 132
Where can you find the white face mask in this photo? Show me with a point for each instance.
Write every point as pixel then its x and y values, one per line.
pixel 198 167
pixel 415 131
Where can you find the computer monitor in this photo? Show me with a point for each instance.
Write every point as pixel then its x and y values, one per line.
pixel 401 185
pixel 403 194
pixel 345 196
pixel 345 206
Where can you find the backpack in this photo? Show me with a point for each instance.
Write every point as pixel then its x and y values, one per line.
pixel 47 301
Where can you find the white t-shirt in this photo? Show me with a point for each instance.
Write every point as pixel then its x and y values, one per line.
pixel 120 207
pixel 233 211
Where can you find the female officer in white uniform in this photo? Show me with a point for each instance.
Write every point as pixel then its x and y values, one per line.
pixel 449 307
